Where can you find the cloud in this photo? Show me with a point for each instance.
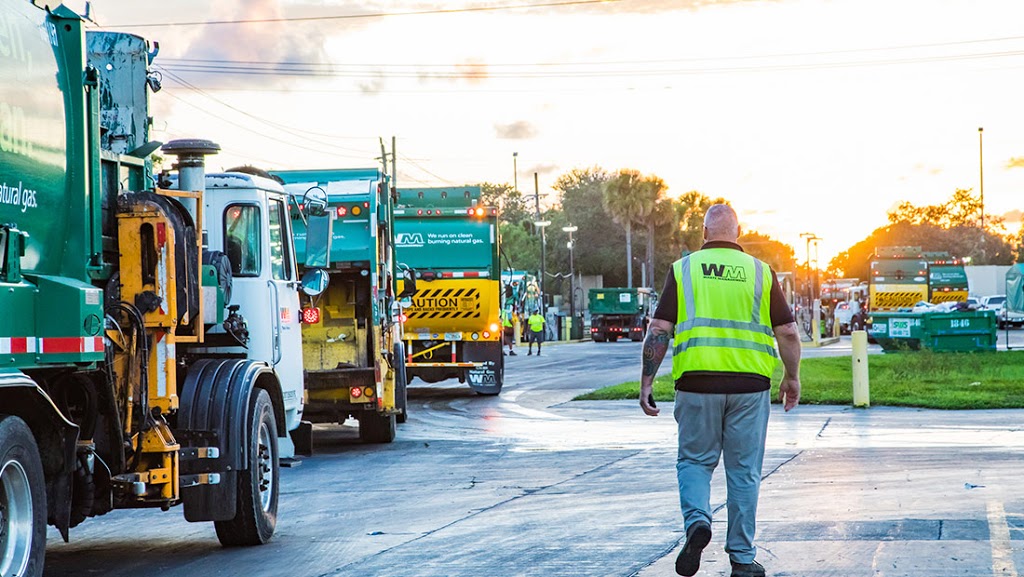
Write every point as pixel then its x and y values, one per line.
pixel 518 130
pixel 1015 162
pixel 255 42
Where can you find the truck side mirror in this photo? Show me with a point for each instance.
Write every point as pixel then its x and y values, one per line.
pixel 315 201
pixel 319 232
pixel 315 281
pixel 408 283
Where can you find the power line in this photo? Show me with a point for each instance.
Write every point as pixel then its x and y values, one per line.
pixel 364 16
pixel 424 169
pixel 284 128
pixel 317 72
pixel 472 65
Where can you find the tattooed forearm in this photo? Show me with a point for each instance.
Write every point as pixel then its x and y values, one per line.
pixel 655 347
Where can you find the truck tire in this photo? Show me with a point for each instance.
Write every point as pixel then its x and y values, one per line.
pixel 259 485
pixel 374 428
pixel 599 338
pixel 22 501
pixel 401 384
pixel 613 338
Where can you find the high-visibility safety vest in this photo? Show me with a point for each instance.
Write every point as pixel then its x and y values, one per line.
pixel 724 318
pixel 506 320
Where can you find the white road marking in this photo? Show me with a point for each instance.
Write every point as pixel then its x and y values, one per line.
pixel 999 537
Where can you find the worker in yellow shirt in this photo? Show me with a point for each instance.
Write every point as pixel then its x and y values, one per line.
pixel 536 322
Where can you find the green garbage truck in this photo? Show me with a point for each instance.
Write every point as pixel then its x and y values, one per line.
pixel 352 347
pixel 620 313
pixel 124 377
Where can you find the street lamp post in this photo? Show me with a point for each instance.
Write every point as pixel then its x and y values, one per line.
pixel 542 224
pixel 515 172
pixel 572 273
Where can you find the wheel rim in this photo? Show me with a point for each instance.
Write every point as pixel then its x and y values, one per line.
pixel 15 519
pixel 265 466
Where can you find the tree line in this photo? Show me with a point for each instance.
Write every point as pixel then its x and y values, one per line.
pixel 627 227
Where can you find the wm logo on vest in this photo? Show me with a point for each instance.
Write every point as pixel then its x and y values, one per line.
pixel 723 271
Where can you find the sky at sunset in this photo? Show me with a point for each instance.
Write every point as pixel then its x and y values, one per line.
pixel 808 115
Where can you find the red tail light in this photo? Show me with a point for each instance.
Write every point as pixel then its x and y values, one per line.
pixel 342 211
pixel 311 316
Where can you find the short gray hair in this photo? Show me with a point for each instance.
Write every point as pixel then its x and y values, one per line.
pixel 722 222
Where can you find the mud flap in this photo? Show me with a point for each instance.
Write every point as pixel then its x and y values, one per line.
pixel 214 413
pixel 488 377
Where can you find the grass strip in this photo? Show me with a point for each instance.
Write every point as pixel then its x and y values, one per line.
pixel 983 380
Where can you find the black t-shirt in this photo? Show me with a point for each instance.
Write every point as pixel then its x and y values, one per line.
pixel 713 381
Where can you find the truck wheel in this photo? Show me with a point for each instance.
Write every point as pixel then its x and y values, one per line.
pixel 374 428
pixel 401 384
pixel 599 338
pixel 259 485
pixel 22 501
pixel 613 338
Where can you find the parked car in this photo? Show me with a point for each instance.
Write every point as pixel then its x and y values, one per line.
pixel 849 316
pixel 1004 317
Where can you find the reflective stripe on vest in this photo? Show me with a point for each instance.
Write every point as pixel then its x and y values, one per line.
pixel 724 316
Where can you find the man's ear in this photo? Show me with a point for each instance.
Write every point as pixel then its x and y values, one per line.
pixel 739 231
pixel 705 233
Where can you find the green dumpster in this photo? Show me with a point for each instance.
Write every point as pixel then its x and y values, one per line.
pixel 957 331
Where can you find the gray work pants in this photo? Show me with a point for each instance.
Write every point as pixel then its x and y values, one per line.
pixel 734 427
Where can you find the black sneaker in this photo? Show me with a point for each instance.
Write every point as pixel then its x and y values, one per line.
pixel 511 353
pixel 753 569
pixel 697 538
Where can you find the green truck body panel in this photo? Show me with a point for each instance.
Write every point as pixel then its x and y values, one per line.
pixel 49 191
pixel 434 231
pixel 614 301
pixel 347 188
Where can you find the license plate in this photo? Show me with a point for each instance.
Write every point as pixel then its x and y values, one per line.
pixel 453 336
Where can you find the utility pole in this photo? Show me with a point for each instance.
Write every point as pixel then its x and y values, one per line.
pixel 543 238
pixel 981 178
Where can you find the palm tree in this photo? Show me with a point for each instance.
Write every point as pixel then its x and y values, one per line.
pixel 653 190
pixel 624 201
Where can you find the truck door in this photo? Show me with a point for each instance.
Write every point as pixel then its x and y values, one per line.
pixel 284 298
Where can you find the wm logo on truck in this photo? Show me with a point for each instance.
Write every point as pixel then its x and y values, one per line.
pixel 413 239
pixel 724 272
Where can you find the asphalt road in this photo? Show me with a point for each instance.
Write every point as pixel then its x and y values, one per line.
pixel 532 483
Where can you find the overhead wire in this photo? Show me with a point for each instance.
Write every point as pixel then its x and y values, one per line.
pixel 284 128
pixel 364 16
pixel 893 48
pixel 314 72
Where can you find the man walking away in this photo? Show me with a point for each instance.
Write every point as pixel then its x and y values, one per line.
pixel 723 310
pixel 536 322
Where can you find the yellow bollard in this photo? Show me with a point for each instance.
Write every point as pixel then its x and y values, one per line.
pixel 517 330
pixel 861 389
pixel 566 326
pixel 816 323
